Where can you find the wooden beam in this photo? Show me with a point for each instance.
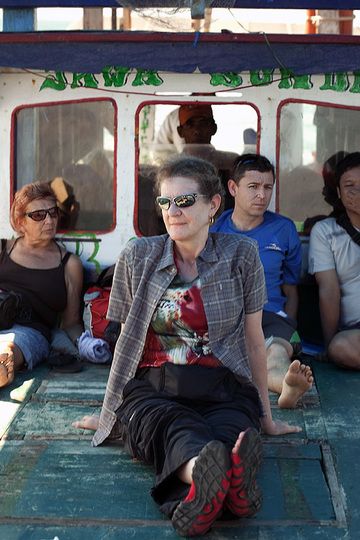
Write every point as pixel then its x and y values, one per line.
pixel 113 19
pixel 126 19
pixel 93 19
pixel 346 21
pixel 254 4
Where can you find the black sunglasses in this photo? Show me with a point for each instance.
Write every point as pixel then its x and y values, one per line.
pixel 181 201
pixel 40 215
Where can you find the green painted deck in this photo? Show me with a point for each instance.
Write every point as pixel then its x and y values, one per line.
pixel 54 484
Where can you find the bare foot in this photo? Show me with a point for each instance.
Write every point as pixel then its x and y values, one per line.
pixel 6 368
pixel 87 422
pixel 297 381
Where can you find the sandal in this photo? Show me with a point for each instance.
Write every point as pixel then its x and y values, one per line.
pixel 65 362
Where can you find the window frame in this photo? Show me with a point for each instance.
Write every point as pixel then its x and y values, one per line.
pixel 13 154
pixel 281 104
pixel 178 103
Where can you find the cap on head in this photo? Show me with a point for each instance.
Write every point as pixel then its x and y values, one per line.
pixel 194 110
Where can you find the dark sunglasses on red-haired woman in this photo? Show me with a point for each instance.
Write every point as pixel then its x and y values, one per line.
pixel 40 215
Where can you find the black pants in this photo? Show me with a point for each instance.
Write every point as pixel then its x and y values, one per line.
pixel 170 413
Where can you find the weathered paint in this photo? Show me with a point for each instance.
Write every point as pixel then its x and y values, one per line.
pixel 55 483
pixel 117 77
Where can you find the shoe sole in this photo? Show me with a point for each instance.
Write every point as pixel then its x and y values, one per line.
pixel 211 476
pixel 244 497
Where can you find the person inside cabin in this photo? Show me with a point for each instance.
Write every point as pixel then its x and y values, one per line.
pixel 196 127
pixel 250 141
pixel 43 281
pixel 187 390
pixel 252 185
pixel 168 138
pixel 334 259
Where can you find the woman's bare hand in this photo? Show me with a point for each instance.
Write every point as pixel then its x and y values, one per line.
pixel 87 422
pixel 278 427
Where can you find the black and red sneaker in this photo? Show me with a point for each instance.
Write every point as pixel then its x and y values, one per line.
pixel 211 480
pixel 244 496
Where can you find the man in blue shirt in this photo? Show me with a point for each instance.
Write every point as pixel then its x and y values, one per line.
pixel 252 185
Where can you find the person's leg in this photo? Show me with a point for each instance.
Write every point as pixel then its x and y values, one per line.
pixel 344 349
pixel 236 423
pixel 210 482
pixel 288 379
pixel 191 468
pixel 11 360
pixel 20 346
pixel 243 497
pixel 159 430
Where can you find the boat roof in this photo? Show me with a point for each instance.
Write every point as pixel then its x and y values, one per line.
pixel 263 4
pixel 90 51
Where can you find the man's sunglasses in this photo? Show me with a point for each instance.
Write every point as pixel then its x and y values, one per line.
pixel 181 201
pixel 40 215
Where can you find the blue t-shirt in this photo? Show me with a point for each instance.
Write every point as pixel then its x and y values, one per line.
pixel 279 250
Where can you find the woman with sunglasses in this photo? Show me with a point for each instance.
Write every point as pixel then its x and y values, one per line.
pixel 48 279
pixel 180 393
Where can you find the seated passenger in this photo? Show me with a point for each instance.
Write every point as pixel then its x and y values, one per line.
pixel 329 190
pixel 196 127
pixel 47 278
pixel 334 258
pixel 280 253
pixel 168 134
pixel 189 365
pixel 250 140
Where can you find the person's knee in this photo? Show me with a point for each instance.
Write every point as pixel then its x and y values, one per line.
pixel 341 352
pixel 280 348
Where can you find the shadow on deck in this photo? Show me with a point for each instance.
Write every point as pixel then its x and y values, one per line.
pixel 54 484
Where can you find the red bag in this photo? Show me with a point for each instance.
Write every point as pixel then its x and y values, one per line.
pixel 96 300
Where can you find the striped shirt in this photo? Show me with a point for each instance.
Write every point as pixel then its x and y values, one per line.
pixel 232 285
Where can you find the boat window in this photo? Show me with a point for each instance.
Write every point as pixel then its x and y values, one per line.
pixel 70 145
pixel 235 133
pixel 313 137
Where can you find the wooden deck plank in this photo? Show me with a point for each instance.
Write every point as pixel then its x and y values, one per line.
pixel 51 475
pixel 49 420
pixel 60 479
pixel 219 532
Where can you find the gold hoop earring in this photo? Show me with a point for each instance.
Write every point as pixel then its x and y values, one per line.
pixel 211 220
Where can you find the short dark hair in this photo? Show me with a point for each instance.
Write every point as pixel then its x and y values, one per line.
pixel 251 162
pixel 351 161
pixel 330 184
pixel 201 171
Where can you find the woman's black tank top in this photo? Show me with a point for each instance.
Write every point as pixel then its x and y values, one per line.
pixel 43 291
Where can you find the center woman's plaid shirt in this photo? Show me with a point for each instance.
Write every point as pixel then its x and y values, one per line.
pixel 232 284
